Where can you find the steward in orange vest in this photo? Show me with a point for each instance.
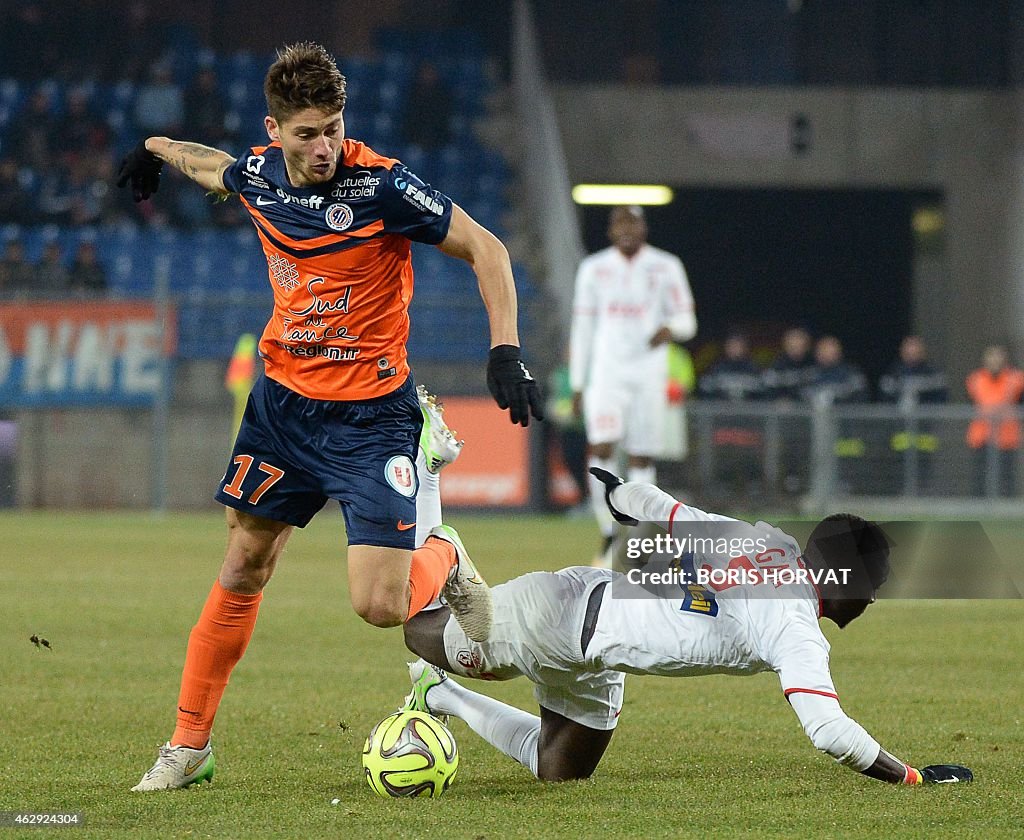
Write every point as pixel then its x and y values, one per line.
pixel 996 390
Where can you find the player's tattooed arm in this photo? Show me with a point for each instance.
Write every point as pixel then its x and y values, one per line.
pixel 204 165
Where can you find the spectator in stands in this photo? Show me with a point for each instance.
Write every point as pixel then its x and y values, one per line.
pixel 793 370
pixel 17 274
pixel 734 376
pixel 160 105
pixel 910 382
pixel 88 279
pixel 736 439
pixel 995 434
pixel 16 203
pixel 27 46
pixel 33 130
pixel 784 382
pixel 71 194
pixel 129 47
pixel 429 110
pixel 205 109
pixel 835 382
pixel 82 131
pixel 54 199
pixel 51 275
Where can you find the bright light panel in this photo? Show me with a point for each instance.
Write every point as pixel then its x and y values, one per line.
pixel 621 194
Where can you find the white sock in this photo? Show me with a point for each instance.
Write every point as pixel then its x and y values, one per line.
pixel 428 499
pixel 643 501
pixel 643 475
pixel 506 728
pixel 601 512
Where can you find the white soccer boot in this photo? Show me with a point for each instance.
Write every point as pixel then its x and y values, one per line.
pixel 466 592
pixel 424 677
pixel 178 767
pixel 437 441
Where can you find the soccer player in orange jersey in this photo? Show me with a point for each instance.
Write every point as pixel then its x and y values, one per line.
pixel 336 414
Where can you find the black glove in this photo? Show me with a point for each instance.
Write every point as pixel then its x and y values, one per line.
pixel 142 168
pixel 610 482
pixel 512 386
pixel 944 774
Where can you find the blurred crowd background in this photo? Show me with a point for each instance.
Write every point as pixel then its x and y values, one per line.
pixel 431 82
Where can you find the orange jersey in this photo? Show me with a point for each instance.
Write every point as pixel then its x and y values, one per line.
pixel 997 396
pixel 340 264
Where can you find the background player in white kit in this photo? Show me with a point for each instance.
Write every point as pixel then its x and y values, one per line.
pixel 631 299
pixel 575 638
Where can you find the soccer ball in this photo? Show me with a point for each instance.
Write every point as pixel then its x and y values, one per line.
pixel 410 754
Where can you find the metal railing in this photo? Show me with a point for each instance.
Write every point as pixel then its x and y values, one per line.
pixel 815 455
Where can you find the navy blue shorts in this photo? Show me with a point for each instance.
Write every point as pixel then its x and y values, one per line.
pixel 294 453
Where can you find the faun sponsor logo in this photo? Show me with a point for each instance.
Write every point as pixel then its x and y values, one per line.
pixel 362 184
pixel 418 198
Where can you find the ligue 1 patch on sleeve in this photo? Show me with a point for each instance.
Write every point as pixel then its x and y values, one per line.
pixel 401 475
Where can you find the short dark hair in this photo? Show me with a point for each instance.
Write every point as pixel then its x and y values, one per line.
pixel 304 75
pixel 845 541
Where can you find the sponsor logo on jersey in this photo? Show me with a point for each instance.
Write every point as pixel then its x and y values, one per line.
pixel 401 475
pixel 305 351
pixel 319 306
pixel 256 181
pixel 263 202
pixel 311 201
pixel 418 198
pixel 362 184
pixel 339 217
pixel 254 164
pixel 285 273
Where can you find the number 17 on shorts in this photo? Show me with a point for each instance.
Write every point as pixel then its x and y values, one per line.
pixel 244 463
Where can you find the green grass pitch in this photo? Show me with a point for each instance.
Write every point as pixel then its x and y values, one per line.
pixel 116 595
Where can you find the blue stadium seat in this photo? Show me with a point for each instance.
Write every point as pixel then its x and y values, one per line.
pixel 11 92
pixel 219 278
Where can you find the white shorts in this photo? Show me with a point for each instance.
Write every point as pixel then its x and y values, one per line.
pixel 538 622
pixel 633 415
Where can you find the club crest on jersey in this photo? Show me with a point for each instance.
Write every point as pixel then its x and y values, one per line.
pixel 401 475
pixel 339 217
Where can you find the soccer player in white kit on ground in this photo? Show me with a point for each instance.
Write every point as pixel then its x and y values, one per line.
pixel 631 300
pixel 575 639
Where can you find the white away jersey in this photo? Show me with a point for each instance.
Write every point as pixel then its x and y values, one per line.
pixel 718 628
pixel 619 304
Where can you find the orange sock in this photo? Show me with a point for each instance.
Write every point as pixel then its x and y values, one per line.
pixel 215 645
pixel 431 563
